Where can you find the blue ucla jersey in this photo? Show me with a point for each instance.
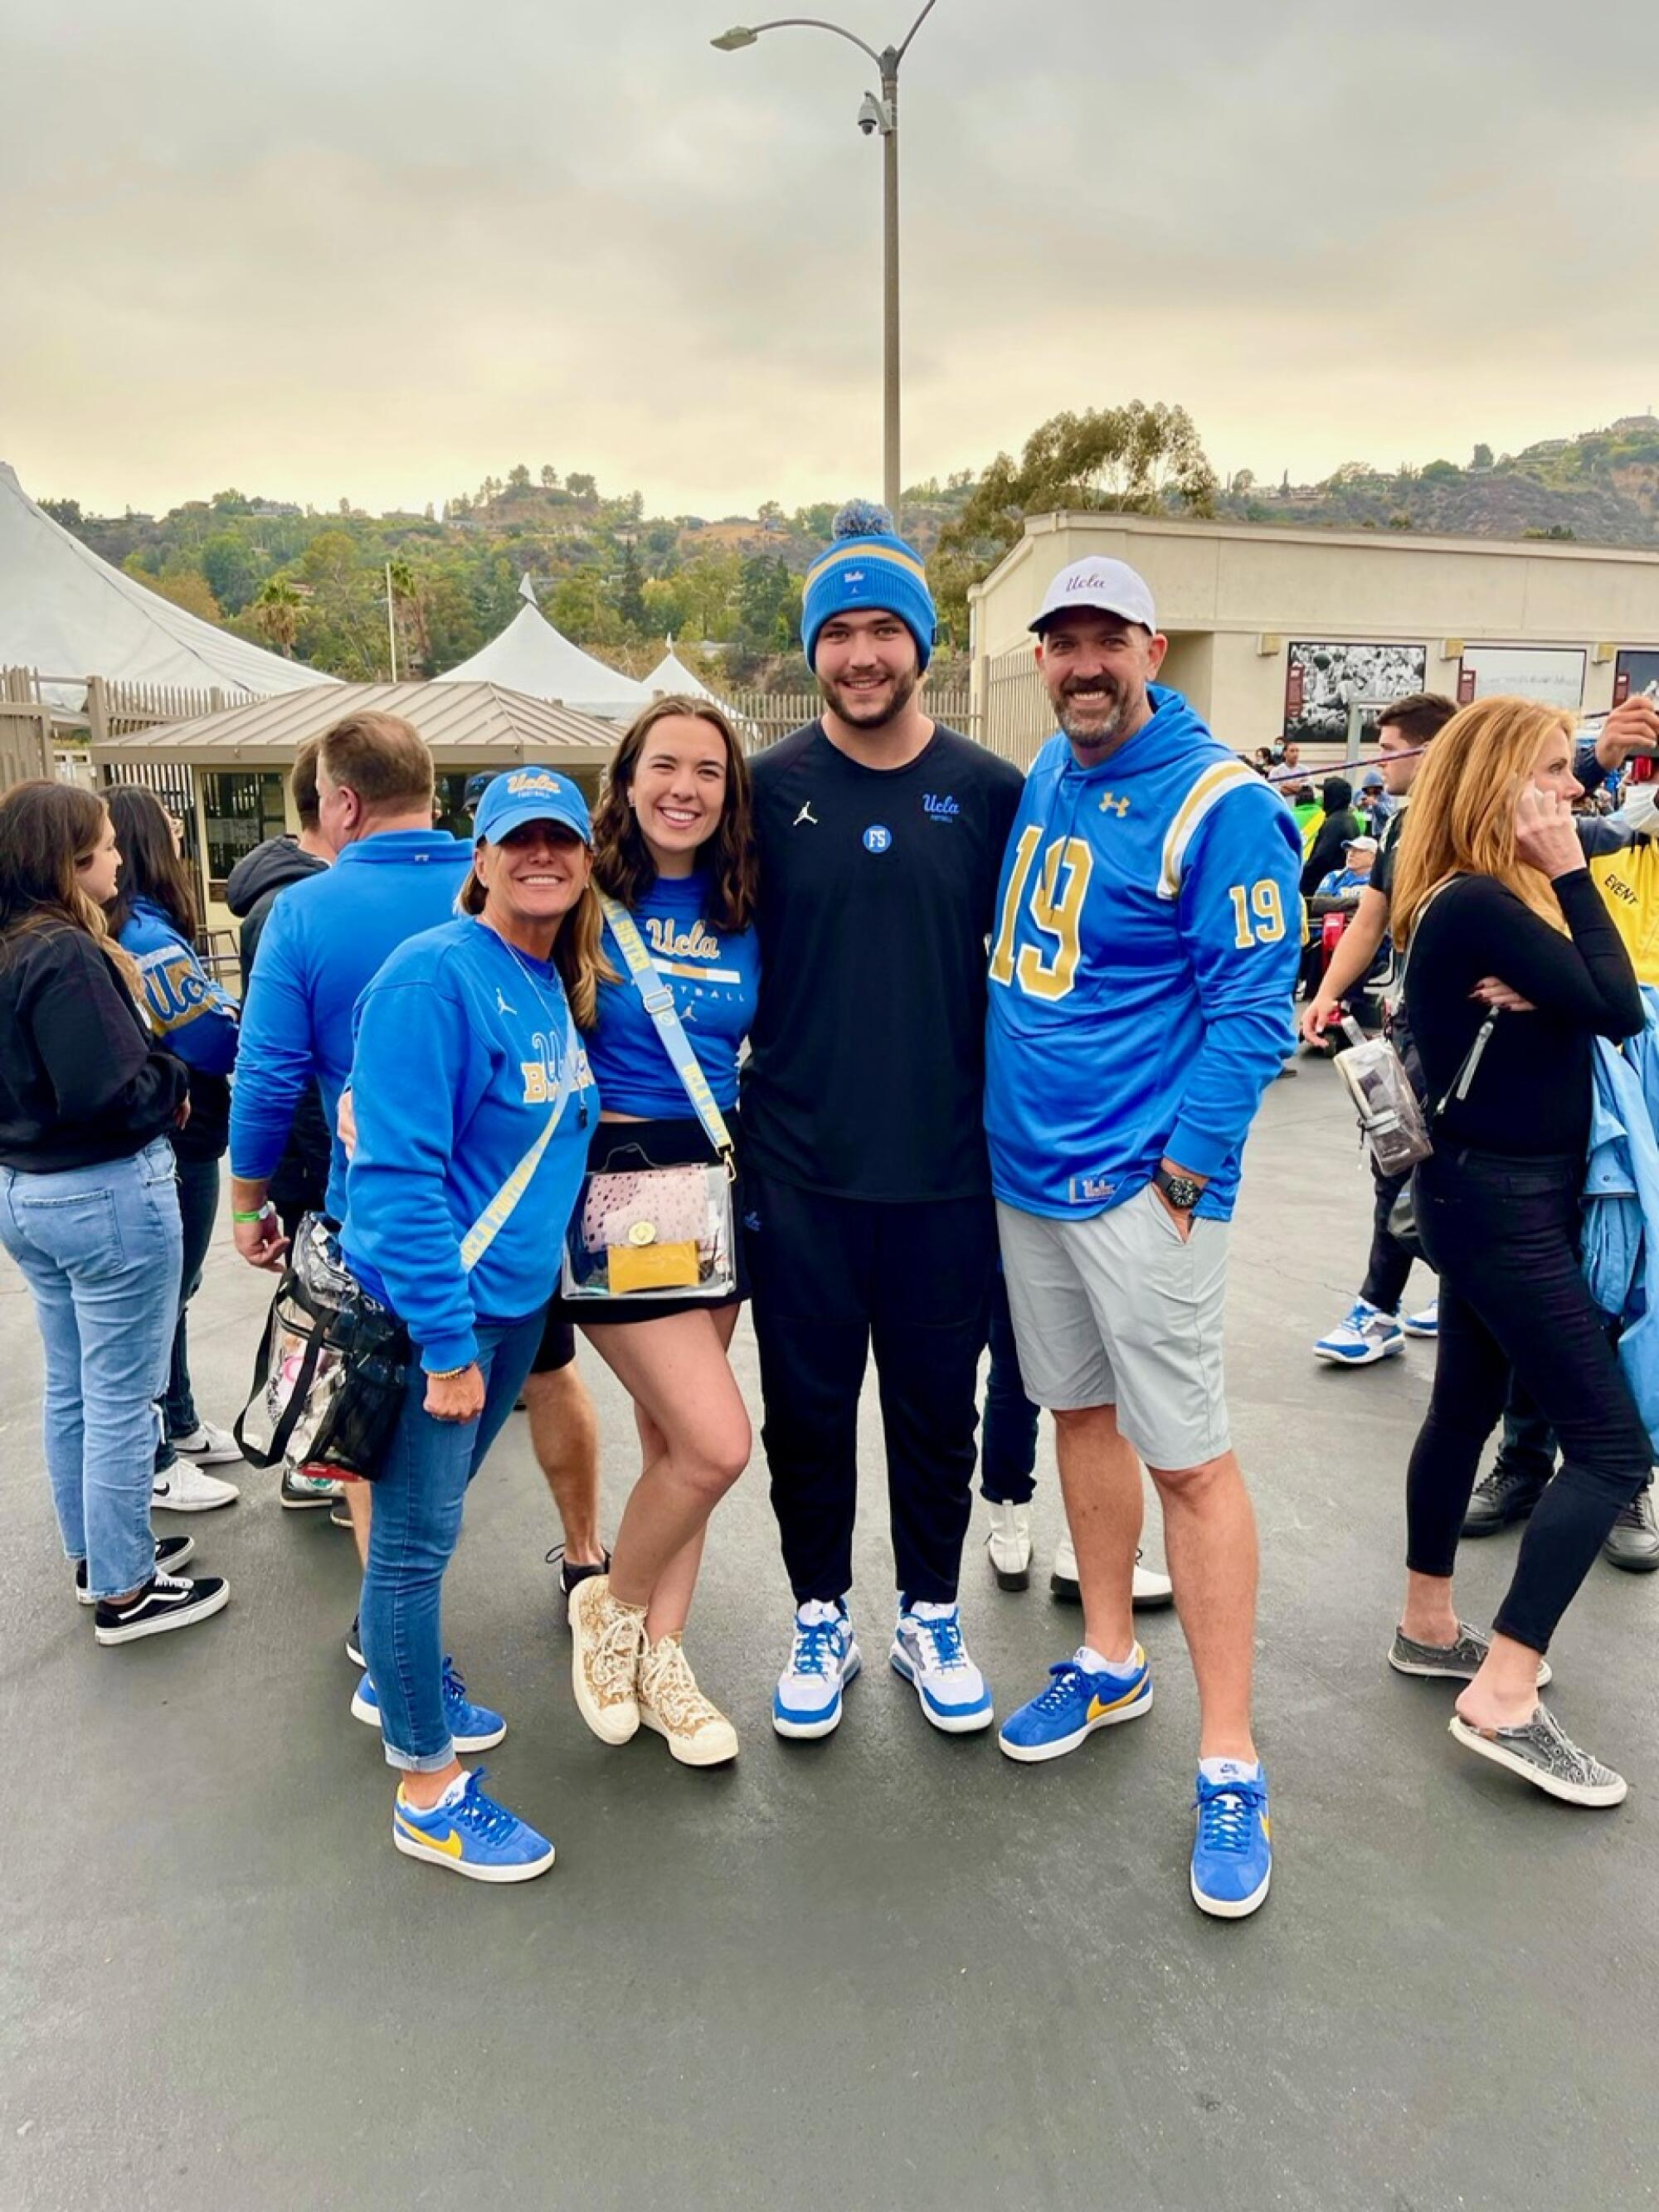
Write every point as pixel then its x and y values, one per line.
pixel 465 1047
pixel 1148 933
pixel 195 1017
pixel 714 973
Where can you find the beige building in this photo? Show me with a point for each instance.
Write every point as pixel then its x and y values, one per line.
pixel 1273 631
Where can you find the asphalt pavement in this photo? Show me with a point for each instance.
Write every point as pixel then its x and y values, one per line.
pixel 890 1969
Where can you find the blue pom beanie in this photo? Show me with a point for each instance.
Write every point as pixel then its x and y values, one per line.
pixel 868 565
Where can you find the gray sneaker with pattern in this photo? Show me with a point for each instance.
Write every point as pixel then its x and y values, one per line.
pixel 1543 1754
pixel 1452 1662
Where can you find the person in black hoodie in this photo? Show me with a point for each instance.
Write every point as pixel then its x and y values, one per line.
pixel 300 1183
pixel 1338 827
pixel 89 1209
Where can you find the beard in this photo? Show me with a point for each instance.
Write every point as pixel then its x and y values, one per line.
pixel 1094 729
pixel 865 711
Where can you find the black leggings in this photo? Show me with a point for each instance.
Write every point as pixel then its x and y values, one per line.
pixel 1503 1234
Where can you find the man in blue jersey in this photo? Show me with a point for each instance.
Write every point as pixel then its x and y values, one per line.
pixel 1146 943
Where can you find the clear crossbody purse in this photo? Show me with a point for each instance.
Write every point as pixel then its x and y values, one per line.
pixel 651 1232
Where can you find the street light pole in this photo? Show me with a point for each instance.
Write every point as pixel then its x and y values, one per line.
pixel 875 115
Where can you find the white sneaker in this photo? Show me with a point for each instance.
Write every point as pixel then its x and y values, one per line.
pixel 1009 1545
pixel 823 1660
pixel 208 1446
pixel 1148 1588
pixel 1426 1324
pixel 1364 1336
pixel 184 1489
pixel 929 1652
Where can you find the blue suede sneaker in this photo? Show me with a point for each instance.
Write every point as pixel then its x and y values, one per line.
pixel 470 1834
pixel 823 1659
pixel 1076 1703
pixel 929 1652
pixel 471 1728
pixel 1232 1851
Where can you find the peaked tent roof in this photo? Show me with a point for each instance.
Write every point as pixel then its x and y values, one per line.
pixel 529 655
pixel 672 674
pixel 68 614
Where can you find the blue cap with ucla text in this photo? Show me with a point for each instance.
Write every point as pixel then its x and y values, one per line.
pixel 868 565
pixel 531 794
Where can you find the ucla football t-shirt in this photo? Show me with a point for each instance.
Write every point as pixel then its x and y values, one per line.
pixel 712 973
pixel 877 888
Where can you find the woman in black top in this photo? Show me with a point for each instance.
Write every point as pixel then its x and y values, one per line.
pixel 1494 901
pixel 87 1206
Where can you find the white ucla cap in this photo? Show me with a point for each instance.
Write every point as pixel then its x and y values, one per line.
pixel 1110 587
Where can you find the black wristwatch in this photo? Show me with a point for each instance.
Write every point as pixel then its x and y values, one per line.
pixel 1182 1191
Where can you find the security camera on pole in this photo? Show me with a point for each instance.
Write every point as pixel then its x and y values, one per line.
pixel 877 113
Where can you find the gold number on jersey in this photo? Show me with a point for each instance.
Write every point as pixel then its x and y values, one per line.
pixel 1258 913
pixel 1056 910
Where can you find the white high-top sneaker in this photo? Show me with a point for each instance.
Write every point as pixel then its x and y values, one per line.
pixel 1009 1545
pixel 1149 1589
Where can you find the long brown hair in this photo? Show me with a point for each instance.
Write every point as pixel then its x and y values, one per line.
pixel 1462 817
pixel 46 829
pixel 621 860
pixel 150 867
pixel 578 949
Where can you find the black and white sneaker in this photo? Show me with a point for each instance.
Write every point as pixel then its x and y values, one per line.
pixel 170 1554
pixel 170 1602
pixel 355 1646
pixel 571 1573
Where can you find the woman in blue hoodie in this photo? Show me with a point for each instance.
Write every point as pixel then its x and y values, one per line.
pixel 473 1105
pixel 154 918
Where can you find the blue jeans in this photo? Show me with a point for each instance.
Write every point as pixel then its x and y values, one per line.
pixel 199 1204
pixel 99 1247
pixel 1008 1434
pixel 416 1527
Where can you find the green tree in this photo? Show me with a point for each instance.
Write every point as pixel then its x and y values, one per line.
pixel 233 569
pixel 1131 459
pixel 518 479
pixel 277 614
pixel 550 476
pixel 630 600
pixel 1482 457
pixel 584 487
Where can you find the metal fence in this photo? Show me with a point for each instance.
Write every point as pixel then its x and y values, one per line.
pixel 1018 715
pixel 766 716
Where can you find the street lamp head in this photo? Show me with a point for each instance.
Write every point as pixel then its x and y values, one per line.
pixel 739 35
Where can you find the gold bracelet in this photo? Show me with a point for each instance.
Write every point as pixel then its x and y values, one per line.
pixel 447 1374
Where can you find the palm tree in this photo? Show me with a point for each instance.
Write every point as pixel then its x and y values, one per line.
pixel 409 597
pixel 277 614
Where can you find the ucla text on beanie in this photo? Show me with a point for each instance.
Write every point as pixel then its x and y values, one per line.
pixel 868 565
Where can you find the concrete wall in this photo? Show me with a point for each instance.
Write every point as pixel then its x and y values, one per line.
pixel 1233 598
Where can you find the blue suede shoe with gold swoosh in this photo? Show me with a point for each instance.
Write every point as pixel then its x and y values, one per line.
pixel 1079 1699
pixel 470 1834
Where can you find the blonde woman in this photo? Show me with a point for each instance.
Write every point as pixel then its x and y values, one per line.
pixel 473 1106
pixel 672 846
pixel 1513 969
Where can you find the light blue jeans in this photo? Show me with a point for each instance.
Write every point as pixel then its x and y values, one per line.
pixel 100 1249
pixel 418 1497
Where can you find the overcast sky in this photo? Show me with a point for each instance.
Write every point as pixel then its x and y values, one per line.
pixel 344 248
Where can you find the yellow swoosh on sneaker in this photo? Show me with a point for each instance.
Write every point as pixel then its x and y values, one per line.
pixel 451 1844
pixel 1098 1711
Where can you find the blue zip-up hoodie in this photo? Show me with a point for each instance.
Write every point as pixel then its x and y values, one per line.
pixel 195 1017
pixel 322 946
pixel 465 1050
pixel 1149 929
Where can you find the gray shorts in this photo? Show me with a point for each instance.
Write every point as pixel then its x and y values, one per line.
pixel 1118 1310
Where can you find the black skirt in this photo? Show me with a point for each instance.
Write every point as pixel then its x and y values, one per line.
pixel 623 1148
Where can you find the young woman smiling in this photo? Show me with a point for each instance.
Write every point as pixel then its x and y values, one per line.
pixel 672 844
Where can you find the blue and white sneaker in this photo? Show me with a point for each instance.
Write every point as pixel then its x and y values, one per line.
pixel 823 1660
pixel 1232 1851
pixel 471 1728
pixel 1367 1335
pixel 1079 1700
pixel 929 1652
pixel 470 1834
pixel 1424 1324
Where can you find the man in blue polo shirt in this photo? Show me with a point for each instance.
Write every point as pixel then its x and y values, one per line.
pixel 1146 943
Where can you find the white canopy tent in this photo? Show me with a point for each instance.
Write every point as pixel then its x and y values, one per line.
pixel 530 656
pixel 68 614
pixel 672 674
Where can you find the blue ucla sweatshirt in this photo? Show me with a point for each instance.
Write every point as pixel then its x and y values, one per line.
pixel 326 938
pixel 195 1018
pixel 1149 929
pixel 465 1054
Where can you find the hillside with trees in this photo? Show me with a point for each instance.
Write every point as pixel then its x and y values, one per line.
pixel 312 584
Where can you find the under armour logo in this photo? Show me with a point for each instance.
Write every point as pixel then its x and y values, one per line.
pixel 805 814
pixel 1111 803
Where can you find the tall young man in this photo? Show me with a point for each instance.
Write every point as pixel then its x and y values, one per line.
pixel 868 1210
pixel 1145 948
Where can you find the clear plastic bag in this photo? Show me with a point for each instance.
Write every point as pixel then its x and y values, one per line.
pixel 1390 1119
pixel 660 1233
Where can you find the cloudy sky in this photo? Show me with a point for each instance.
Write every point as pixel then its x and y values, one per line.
pixel 342 247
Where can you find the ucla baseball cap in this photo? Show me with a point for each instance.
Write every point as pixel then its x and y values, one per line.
pixel 1109 587
pixel 531 794
pixel 1359 844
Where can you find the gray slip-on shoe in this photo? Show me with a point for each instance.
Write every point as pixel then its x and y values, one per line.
pixel 1451 1663
pixel 1542 1753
